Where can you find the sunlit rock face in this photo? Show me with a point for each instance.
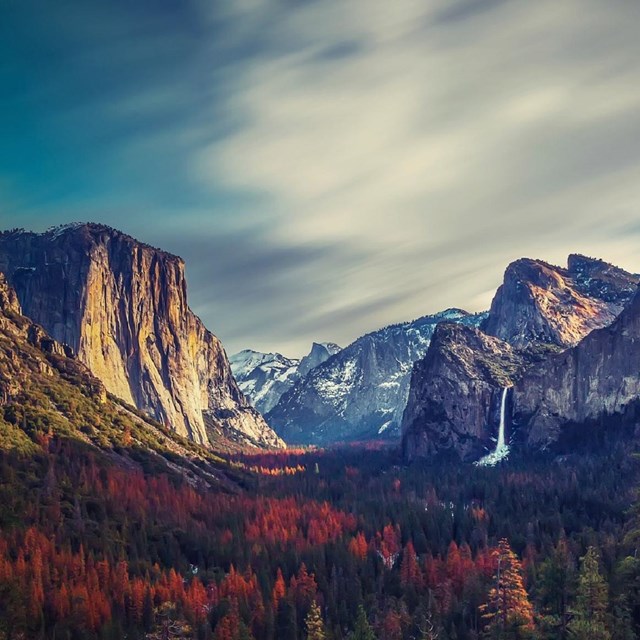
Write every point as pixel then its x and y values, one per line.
pixel 122 307
pixel 539 302
pixel 595 384
pixel 455 392
pixel 26 348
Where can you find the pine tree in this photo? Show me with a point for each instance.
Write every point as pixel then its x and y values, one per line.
pixel 557 577
pixel 362 630
pixel 625 598
pixel 314 624
pixel 508 614
pixel 410 574
pixel 592 600
pixel 286 621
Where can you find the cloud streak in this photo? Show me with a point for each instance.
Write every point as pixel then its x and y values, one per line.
pixel 343 165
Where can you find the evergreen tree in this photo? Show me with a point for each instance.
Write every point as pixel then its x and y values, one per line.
pixel 508 614
pixel 622 626
pixel 592 600
pixel 286 621
pixel 625 599
pixel 314 624
pixel 556 579
pixel 362 630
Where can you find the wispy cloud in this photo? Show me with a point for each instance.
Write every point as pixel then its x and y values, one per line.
pixel 349 164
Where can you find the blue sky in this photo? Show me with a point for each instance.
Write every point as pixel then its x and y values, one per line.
pixel 327 167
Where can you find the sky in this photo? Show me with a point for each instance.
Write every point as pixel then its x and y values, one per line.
pixel 327 167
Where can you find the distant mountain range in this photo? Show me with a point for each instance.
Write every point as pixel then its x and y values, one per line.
pixel 562 340
pixel 359 392
pixel 265 377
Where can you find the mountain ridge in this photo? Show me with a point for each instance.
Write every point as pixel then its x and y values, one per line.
pixel 265 377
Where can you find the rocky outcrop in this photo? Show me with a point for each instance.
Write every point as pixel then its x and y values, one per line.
pixel 361 391
pixel 9 303
pixel 598 381
pixel 455 393
pixel 320 352
pixel 121 306
pixel 539 302
pixel 559 391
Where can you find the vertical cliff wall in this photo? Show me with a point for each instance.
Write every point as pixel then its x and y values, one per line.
pixel 455 391
pixel 122 307
pixel 597 380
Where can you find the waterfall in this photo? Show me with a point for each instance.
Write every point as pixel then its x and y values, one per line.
pixel 503 404
pixel 502 448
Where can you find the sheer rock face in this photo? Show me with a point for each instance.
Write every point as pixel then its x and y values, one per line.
pixel 122 307
pixel 320 352
pixel 361 391
pixel 455 393
pixel 537 314
pixel 560 398
pixel 539 302
pixel 597 380
pixel 17 335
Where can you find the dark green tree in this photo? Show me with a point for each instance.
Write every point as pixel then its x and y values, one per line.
pixel 556 582
pixel 592 601
pixel 286 621
pixel 362 630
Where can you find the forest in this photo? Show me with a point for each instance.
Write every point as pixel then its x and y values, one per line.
pixel 346 543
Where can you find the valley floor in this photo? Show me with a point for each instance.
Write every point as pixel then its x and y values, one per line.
pixel 348 543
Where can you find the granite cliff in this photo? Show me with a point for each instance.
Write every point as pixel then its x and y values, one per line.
pixel 540 302
pixel 545 335
pixel 27 354
pixel 594 384
pixel 454 393
pixel 121 307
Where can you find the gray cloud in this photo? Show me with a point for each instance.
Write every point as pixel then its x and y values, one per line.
pixel 330 167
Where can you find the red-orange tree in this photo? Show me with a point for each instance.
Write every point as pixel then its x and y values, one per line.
pixel 508 613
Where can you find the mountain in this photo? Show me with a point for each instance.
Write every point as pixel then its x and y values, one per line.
pixel 536 315
pixel 264 377
pixel 455 393
pixel 539 302
pixel 31 365
pixel 361 391
pixel 47 395
pixel 590 387
pixel 320 352
pixel 121 306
